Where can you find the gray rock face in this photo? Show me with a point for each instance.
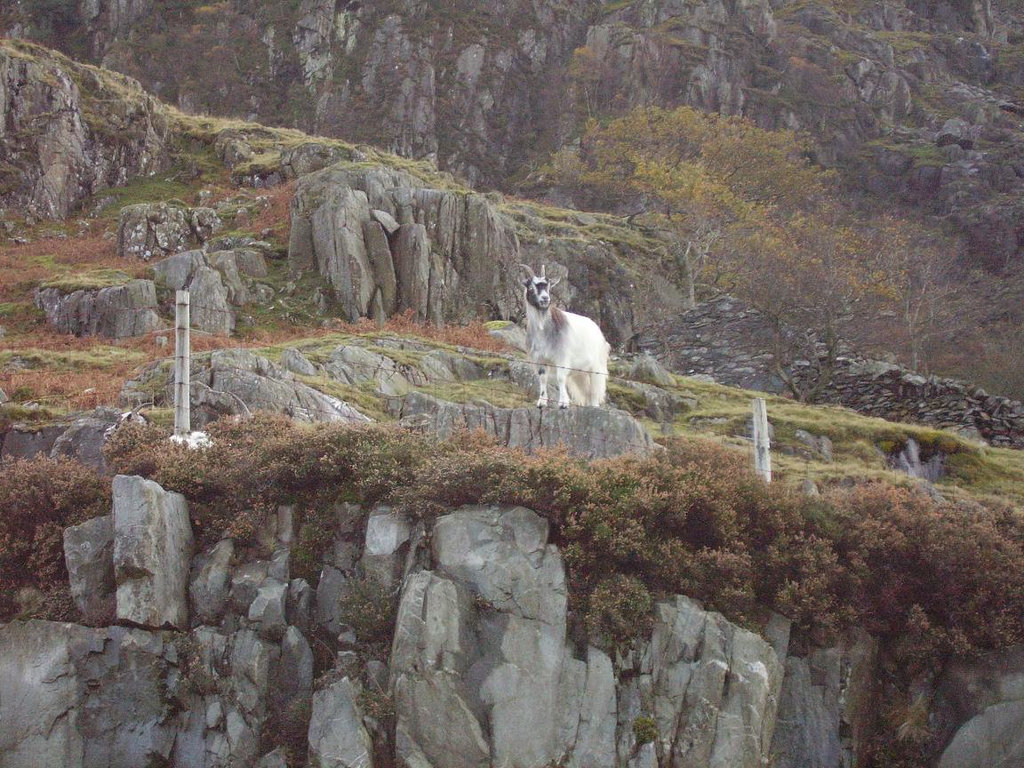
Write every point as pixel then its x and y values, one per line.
pixel 981 705
pixel 827 706
pixel 89 556
pixel 152 553
pixel 84 698
pixel 64 130
pixel 84 438
pixel 211 284
pixel 451 252
pixel 587 432
pixel 337 738
pixel 210 582
pixel 117 312
pixel 482 674
pixel 240 376
pixel 238 381
pixel 153 230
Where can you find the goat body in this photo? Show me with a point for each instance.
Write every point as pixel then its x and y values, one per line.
pixel 571 344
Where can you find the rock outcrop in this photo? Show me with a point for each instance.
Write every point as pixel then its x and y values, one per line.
pixel 152 553
pixel 152 230
pixel 68 131
pixel 117 311
pixel 81 439
pixel 387 243
pixel 587 432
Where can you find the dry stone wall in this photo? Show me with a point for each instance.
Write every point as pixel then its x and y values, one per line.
pixel 730 342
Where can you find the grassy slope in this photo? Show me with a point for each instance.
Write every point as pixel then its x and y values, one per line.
pixel 63 373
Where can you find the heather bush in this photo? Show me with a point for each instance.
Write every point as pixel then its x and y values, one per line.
pixel 38 499
pixel 935 579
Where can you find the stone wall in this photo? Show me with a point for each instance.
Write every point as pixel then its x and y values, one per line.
pixel 731 342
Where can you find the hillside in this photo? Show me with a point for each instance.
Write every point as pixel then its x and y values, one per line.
pixel 389 555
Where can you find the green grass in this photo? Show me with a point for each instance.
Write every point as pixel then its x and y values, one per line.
pixel 89 280
pixel 96 357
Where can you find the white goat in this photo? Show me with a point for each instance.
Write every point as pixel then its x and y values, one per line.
pixel 572 344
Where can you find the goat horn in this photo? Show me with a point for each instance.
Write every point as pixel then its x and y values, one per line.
pixel 528 268
pixel 542 268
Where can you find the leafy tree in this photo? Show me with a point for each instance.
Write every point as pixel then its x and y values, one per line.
pixel 694 180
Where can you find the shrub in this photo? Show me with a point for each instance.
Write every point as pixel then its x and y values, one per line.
pixel 619 610
pixel 645 729
pixel 39 498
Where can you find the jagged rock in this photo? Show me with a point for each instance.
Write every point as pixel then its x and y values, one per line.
pixel 588 432
pixel 908 460
pixel 352 364
pixel 299 608
pixel 386 533
pixel 332 587
pixel 511 334
pixel 337 738
pixel 820 444
pixel 980 705
pixel 226 263
pixel 827 706
pixel 24 442
pixel 309 157
pixel 449 254
pixel 296 362
pixel 648 370
pixel 149 231
pixel 152 553
pixel 438 365
pixel 209 295
pixel 89 556
pixel 267 609
pixel 64 131
pixel 660 404
pixel 117 311
pixel 480 651
pixel 293 677
pixel 237 381
pixel 210 582
pixel 85 698
pixel 84 438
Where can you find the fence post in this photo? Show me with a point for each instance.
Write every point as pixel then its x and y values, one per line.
pixel 762 445
pixel 182 366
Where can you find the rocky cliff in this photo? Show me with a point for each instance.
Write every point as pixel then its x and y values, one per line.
pixel 441 642
pixel 916 102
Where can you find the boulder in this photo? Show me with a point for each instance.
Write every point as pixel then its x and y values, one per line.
pixel 89 557
pixel 267 609
pixel 296 362
pixel 586 432
pixel 337 738
pixel 116 312
pixel 150 231
pixel 386 534
pixel 25 442
pixel 152 553
pixel 84 438
pixel 240 381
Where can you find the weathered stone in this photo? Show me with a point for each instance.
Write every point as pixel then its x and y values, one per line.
pixel 267 609
pixel 89 556
pixel 24 442
pixel 117 311
pixel 293 675
pixel 296 362
pixel 386 533
pixel 152 553
pixel 827 706
pixel 84 438
pixel 210 583
pixel 225 263
pixel 352 364
pixel 588 432
pixel 337 738
pixel 61 146
pixel 299 608
pixel 649 371
pixel 980 705
pixel 84 698
pixel 152 230
pixel 715 688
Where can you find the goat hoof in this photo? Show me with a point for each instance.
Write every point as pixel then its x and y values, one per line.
pixel 563 406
